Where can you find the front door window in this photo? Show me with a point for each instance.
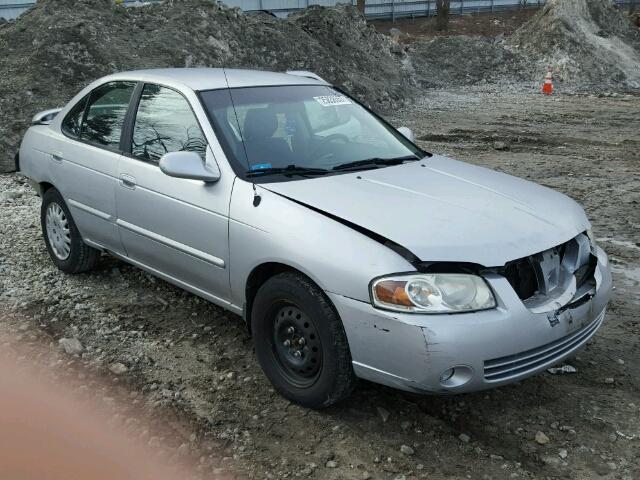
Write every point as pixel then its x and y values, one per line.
pixel 165 123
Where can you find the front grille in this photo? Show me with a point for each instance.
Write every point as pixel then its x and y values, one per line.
pixel 505 368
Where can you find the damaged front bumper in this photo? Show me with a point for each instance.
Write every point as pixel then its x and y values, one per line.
pixel 471 351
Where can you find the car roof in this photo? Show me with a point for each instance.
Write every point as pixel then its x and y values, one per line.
pixel 213 78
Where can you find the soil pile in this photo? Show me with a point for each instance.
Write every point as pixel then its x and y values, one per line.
pixel 585 41
pixel 463 60
pixel 57 47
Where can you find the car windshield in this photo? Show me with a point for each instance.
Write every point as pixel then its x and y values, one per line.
pixel 275 133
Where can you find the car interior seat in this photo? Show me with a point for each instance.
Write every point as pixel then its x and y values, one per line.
pixel 262 147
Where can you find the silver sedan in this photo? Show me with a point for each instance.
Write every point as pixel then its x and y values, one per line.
pixel 347 249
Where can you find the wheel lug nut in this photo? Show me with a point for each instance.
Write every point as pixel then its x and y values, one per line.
pixel 297 354
pixel 291 330
pixel 287 343
pixel 301 341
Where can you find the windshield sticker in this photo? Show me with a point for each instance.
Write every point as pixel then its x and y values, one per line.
pixel 260 166
pixel 332 100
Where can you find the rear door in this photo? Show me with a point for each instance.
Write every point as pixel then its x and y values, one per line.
pixel 176 227
pixel 86 161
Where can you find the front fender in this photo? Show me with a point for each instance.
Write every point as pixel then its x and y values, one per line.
pixel 337 258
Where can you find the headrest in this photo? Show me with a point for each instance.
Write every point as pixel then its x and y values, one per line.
pixel 260 123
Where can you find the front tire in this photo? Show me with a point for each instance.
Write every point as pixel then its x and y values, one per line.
pixel 300 342
pixel 62 238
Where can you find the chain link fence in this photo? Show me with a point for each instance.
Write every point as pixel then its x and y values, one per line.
pixel 393 9
pixel 382 9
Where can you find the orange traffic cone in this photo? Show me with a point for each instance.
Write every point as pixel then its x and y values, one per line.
pixel 547 86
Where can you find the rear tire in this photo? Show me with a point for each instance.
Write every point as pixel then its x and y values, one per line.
pixel 300 342
pixel 62 238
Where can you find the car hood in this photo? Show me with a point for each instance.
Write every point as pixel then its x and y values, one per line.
pixel 445 210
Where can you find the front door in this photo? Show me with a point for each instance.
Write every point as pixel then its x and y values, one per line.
pixel 176 227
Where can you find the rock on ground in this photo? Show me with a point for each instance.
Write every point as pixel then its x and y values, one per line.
pixel 71 346
pixel 541 438
pixel 407 450
pixel 118 368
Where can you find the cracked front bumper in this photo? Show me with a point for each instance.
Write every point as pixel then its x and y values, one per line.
pixel 486 349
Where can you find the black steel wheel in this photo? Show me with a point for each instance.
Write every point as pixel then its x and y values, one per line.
pixel 300 341
pixel 296 346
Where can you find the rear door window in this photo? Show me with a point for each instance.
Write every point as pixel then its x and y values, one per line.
pixel 165 123
pixel 105 114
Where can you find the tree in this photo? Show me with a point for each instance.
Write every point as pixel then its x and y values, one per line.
pixel 442 9
pixel 360 5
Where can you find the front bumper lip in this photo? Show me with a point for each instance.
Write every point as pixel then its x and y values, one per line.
pixel 513 367
pixel 491 348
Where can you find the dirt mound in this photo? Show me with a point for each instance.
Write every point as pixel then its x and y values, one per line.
pixel 585 41
pixel 59 46
pixel 462 60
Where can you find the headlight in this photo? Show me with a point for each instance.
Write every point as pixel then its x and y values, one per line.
pixel 432 293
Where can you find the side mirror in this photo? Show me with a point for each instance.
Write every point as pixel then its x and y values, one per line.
pixel 407 133
pixel 188 165
pixel 46 117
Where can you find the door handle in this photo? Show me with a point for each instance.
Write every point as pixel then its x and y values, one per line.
pixel 127 181
pixel 57 156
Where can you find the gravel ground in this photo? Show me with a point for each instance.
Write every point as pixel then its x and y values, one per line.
pixel 188 366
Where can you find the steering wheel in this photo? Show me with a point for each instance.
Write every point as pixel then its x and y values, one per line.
pixel 334 137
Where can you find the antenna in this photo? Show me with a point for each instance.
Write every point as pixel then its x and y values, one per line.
pixel 256 196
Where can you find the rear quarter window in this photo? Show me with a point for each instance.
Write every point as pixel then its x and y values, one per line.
pixel 72 123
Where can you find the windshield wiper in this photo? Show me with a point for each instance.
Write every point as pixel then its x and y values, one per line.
pixel 375 162
pixel 288 170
